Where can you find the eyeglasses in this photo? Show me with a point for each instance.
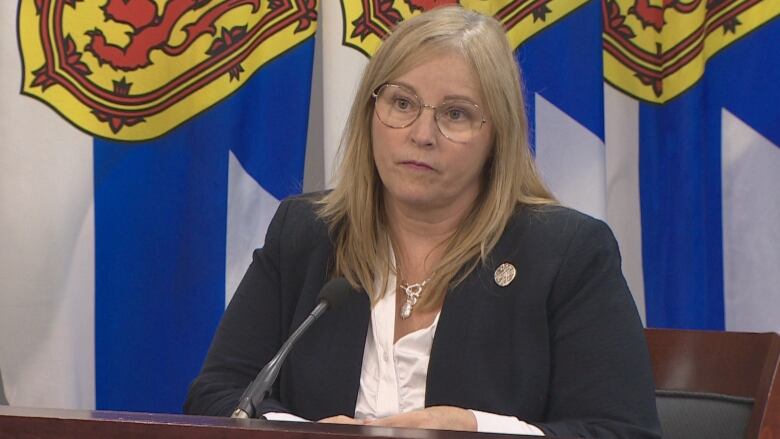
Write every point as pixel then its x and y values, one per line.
pixel 398 107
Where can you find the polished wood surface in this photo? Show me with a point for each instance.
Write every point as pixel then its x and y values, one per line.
pixel 730 363
pixel 16 422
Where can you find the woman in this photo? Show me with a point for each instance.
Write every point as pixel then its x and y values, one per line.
pixel 479 304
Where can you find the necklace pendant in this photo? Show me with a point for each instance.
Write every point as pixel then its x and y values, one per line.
pixel 406 310
pixel 412 292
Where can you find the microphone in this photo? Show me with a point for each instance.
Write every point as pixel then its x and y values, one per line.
pixel 333 293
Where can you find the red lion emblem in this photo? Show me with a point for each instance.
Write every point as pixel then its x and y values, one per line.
pixel 176 58
pixel 651 15
pixel 152 30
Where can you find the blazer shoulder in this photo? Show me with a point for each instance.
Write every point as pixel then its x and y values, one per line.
pixel 305 201
pixel 301 210
pixel 297 223
pixel 556 222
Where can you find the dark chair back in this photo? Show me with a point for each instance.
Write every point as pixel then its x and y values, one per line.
pixel 716 385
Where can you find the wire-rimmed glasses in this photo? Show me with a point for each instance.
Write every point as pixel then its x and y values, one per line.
pixel 398 107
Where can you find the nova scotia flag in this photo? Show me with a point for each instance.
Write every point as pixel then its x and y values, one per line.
pixel 708 158
pixel 130 216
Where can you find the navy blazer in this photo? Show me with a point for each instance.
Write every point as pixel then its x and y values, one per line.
pixel 561 347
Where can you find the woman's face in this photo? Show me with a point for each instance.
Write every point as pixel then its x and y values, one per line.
pixel 418 165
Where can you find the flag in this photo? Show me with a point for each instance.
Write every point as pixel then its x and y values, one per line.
pixel 701 81
pixel 149 146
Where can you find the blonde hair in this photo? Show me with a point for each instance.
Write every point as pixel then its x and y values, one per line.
pixel 354 209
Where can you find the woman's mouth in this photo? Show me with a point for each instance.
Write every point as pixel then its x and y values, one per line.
pixel 417 166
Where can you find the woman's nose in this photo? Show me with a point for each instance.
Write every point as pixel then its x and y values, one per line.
pixel 424 129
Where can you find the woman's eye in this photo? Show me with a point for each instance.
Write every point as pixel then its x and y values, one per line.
pixel 402 104
pixel 458 114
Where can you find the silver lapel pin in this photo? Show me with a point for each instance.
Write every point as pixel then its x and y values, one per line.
pixel 505 274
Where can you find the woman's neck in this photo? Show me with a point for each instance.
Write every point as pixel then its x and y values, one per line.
pixel 420 235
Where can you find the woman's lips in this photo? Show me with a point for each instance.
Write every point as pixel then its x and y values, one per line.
pixel 418 166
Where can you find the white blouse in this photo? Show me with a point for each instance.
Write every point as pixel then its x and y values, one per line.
pixel 393 376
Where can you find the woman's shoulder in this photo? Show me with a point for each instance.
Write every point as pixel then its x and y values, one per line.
pixel 296 219
pixel 302 207
pixel 556 229
pixel 306 199
pixel 555 219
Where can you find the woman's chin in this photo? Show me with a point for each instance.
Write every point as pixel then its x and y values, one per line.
pixel 419 199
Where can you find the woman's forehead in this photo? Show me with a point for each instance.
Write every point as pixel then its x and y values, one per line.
pixel 443 76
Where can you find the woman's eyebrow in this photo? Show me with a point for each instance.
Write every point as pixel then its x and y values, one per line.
pixel 448 97
pixel 404 85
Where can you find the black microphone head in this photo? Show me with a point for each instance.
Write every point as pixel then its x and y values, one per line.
pixel 335 291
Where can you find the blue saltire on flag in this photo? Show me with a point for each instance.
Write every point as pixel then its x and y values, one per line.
pixel 680 179
pixel 160 231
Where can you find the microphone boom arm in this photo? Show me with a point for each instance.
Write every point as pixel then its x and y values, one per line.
pixel 259 389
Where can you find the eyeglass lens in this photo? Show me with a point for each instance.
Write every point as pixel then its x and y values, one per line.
pixel 398 107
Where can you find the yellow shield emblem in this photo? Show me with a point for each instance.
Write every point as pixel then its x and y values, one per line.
pixel 367 22
pixel 656 49
pixel 135 69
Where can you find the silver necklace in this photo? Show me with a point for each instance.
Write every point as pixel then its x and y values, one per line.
pixel 412 292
